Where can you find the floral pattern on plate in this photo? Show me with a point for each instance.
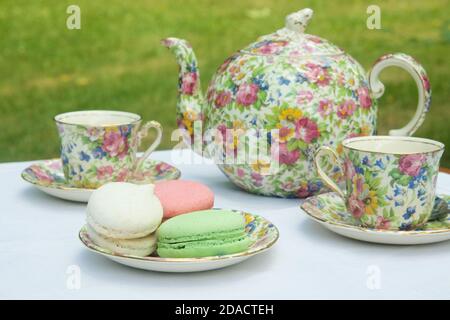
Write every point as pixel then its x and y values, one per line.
pixel 49 173
pixel 261 231
pixel 330 208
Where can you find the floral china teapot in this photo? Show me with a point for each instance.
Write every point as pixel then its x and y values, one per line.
pixel 302 87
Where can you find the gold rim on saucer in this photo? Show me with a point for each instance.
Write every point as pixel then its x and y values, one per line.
pixel 315 213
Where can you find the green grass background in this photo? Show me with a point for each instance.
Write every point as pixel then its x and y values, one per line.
pixel 116 62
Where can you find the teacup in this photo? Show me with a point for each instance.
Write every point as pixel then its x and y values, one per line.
pixel 100 146
pixel 390 181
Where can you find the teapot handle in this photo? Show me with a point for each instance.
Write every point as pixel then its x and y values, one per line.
pixel 423 85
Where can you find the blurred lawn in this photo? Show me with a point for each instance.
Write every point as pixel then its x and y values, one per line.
pixel 116 62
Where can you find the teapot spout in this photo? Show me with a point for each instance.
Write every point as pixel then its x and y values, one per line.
pixel 190 98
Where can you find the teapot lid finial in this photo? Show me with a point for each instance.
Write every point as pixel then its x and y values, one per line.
pixel 298 21
pixel 292 41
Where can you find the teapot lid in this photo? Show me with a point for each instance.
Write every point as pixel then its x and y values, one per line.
pixel 291 40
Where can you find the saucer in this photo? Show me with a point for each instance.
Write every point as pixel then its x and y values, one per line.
pixel 48 176
pixel 262 232
pixel 329 210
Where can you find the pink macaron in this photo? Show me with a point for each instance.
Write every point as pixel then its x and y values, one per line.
pixel 183 196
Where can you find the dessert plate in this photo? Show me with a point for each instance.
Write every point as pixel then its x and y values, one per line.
pixel 329 210
pixel 47 175
pixel 262 232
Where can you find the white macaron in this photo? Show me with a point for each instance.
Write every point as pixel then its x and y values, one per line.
pixel 139 247
pixel 122 210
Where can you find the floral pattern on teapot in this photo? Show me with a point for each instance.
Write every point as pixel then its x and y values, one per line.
pixel 308 89
pixel 310 105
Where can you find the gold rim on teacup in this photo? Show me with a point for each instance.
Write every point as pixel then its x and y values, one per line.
pixel 348 142
pixel 64 118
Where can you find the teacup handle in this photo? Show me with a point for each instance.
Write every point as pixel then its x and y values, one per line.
pixel 423 85
pixel 143 131
pixel 321 152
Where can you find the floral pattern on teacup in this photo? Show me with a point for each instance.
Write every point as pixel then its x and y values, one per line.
pixel 92 156
pixel 386 191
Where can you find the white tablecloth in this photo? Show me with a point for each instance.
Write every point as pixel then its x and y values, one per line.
pixel 39 251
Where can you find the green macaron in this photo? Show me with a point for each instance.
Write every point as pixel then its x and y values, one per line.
pixel 202 234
